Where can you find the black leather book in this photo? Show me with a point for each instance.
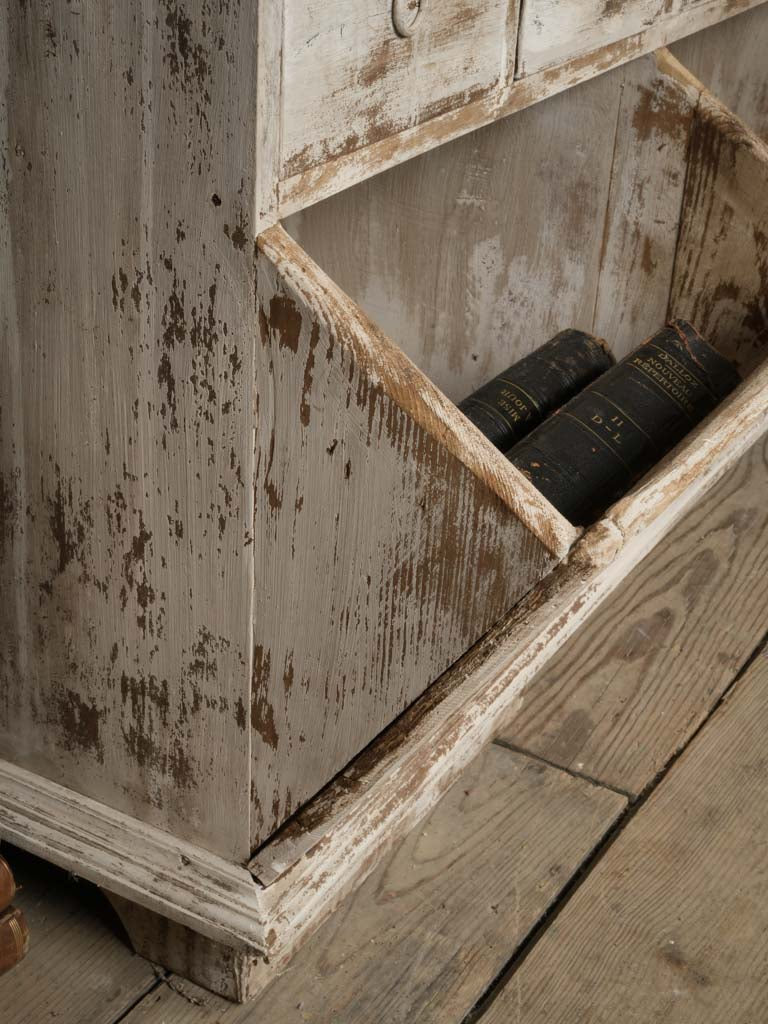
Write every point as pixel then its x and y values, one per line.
pixel 514 403
pixel 591 451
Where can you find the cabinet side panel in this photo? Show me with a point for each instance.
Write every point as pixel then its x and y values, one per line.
pixel 647 182
pixel 380 558
pixel 730 59
pixel 128 332
pixel 721 268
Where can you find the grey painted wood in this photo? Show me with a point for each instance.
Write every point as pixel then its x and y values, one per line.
pixel 642 218
pixel 349 77
pixel 729 58
pixel 466 278
pixel 721 267
pixel 379 512
pixel 126 373
pixel 555 31
pixel 460 274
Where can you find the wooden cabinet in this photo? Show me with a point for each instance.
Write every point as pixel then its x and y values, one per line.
pixel 265 591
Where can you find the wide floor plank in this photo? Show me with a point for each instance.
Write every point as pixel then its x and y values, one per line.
pixel 632 686
pixel 430 929
pixel 79 969
pixel 672 924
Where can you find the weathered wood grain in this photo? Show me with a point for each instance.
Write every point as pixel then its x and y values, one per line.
pixel 78 969
pixel 555 31
pixel 721 267
pixel 350 79
pixel 643 211
pixel 624 694
pixel 126 370
pixel 463 276
pixel 433 925
pixel 672 924
pixel 340 172
pixel 377 510
pixel 729 58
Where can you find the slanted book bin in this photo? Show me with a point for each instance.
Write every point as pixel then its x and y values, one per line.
pixel 265 590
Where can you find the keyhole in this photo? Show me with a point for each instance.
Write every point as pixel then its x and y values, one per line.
pixel 405 15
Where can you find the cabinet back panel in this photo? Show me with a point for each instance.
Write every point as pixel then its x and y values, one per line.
pixel 563 215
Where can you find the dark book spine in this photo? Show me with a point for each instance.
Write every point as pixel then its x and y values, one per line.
pixel 590 452
pixel 14 938
pixel 7 884
pixel 514 403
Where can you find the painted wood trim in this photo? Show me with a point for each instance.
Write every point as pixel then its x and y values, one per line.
pixel 269 74
pixel 317 183
pixel 552 31
pixel 414 393
pixel 137 861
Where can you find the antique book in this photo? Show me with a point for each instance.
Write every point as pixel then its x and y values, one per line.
pixel 591 451
pixel 14 938
pixel 512 404
pixel 7 884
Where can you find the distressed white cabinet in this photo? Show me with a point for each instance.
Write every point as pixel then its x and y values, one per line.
pixel 264 590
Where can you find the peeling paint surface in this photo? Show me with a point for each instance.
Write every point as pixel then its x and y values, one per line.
pixel 125 407
pixel 374 535
pixel 350 80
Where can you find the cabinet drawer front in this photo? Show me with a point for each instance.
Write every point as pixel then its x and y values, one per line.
pixel 351 79
pixel 555 31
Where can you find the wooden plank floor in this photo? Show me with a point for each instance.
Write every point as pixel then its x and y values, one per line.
pixel 532 893
pixel 630 689
pixel 672 925
pixel 79 967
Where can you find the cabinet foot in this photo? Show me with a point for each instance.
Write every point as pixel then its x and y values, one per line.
pixel 236 974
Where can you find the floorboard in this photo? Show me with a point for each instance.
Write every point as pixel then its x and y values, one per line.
pixel 634 684
pixel 431 928
pixel 79 969
pixel 672 924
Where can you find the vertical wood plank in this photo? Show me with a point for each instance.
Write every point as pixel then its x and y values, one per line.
pixel 473 254
pixel 721 267
pixel 128 334
pixel 643 215
pixel 729 58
